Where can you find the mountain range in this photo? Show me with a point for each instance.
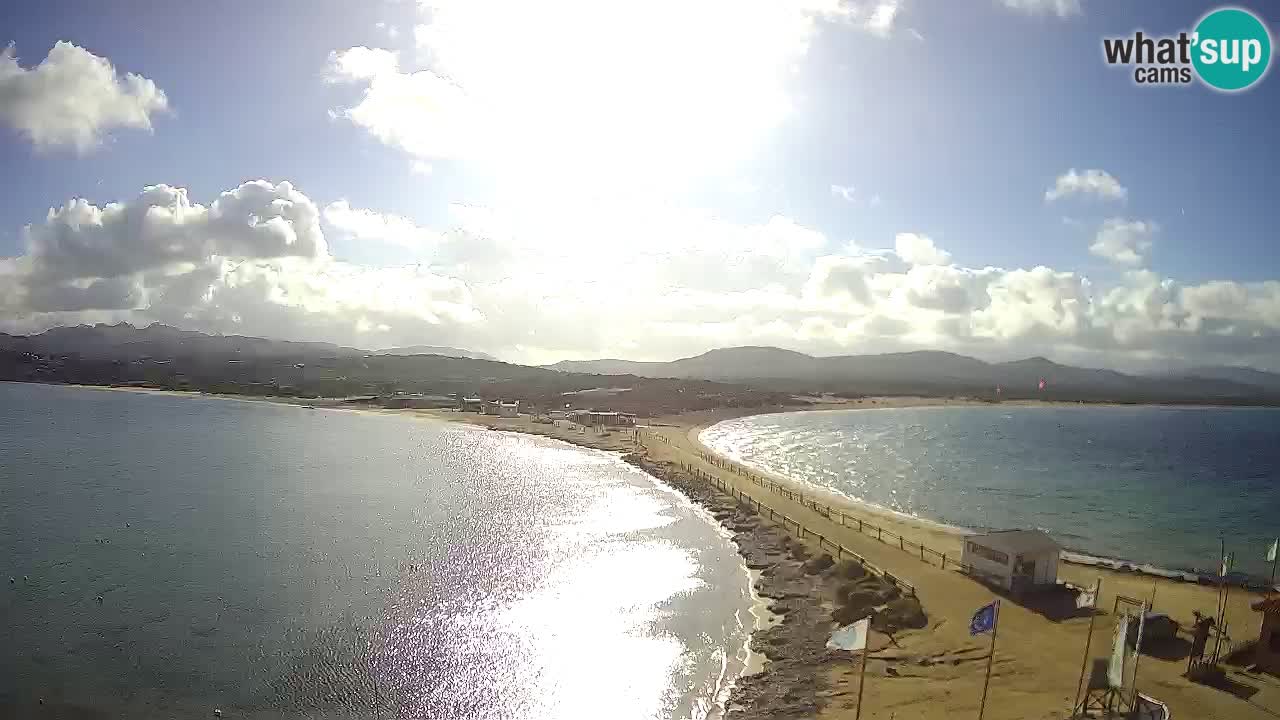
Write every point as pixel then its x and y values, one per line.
pixel 126 342
pixel 160 356
pixel 934 372
pixel 435 350
pixel 169 355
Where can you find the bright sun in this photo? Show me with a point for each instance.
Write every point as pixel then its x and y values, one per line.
pixel 601 90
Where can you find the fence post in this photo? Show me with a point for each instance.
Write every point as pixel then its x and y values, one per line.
pixel 880 534
pixel 921 553
pixel 902 543
pixel 859 526
pixel 944 561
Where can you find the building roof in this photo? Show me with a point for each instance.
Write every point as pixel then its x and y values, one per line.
pixel 1269 604
pixel 1017 542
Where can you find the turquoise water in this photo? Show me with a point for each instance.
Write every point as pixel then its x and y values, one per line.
pixel 275 561
pixel 1149 485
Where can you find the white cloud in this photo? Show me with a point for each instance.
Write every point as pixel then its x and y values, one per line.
pixel 846 192
pixel 1060 8
pixel 592 279
pixel 73 98
pixel 361 63
pixel 1125 242
pixel 369 226
pixel 253 261
pixel 582 90
pixel 878 17
pixel 919 250
pixel 420 112
pixel 1092 182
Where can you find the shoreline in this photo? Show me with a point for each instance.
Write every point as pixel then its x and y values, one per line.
pixel 953 535
pixel 934 673
pixel 1078 557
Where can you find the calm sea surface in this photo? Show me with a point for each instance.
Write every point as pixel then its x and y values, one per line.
pixel 1145 484
pixel 276 561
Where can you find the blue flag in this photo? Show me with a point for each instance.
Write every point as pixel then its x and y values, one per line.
pixel 984 621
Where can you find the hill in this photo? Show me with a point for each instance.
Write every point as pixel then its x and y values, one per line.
pixel 435 350
pixel 944 373
pixel 165 357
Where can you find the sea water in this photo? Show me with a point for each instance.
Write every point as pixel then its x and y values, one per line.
pixel 277 561
pixel 1151 485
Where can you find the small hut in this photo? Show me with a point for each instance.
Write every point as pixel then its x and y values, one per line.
pixel 1016 560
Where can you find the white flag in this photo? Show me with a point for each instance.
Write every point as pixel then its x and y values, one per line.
pixel 1087 598
pixel 851 637
pixel 1271 552
pixel 1115 671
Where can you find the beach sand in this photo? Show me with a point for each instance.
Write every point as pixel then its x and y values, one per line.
pixel 938 672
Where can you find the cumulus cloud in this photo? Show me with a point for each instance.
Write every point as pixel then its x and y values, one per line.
pixel 588 279
pixel 1060 8
pixel 919 250
pixel 73 98
pixel 254 260
pixel 1089 182
pixel 369 226
pixel 421 113
pixel 1125 242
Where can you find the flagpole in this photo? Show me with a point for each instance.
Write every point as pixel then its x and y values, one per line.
pixel 862 679
pixel 1222 582
pixel 1137 653
pixel 1227 564
pixel 1275 556
pixel 1093 617
pixel 1226 595
pixel 995 627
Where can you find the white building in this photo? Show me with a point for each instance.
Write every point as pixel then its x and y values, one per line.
pixel 1016 560
pixel 508 409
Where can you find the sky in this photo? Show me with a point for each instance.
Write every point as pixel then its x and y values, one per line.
pixel 569 179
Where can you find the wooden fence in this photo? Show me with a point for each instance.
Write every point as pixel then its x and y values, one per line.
pixel 865 527
pixel 834 514
pixel 793 525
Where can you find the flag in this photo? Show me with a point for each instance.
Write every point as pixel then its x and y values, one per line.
pixel 851 637
pixel 1115 670
pixel 1228 561
pixel 1087 598
pixel 1271 551
pixel 1142 624
pixel 1041 383
pixel 984 620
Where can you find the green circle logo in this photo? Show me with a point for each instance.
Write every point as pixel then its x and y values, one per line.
pixel 1232 49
